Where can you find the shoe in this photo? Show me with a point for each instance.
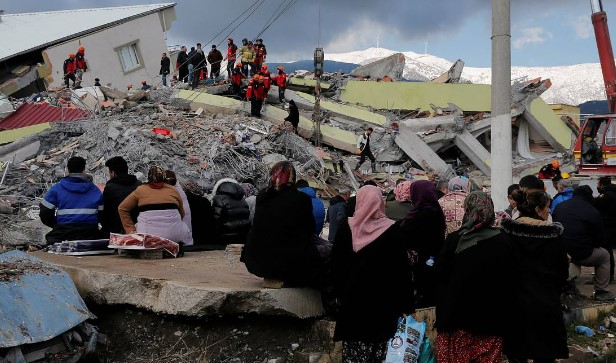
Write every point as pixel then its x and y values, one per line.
pixel 602 295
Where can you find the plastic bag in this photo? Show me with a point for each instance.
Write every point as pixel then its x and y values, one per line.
pixel 406 344
pixel 427 354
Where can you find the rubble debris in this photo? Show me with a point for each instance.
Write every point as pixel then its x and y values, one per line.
pixel 452 75
pixel 391 67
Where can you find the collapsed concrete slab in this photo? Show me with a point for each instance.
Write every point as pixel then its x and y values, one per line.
pixel 422 154
pixel 392 66
pixel 452 75
pixel 200 284
pixel 8 136
pixel 347 112
pixel 542 119
pixel 468 144
pixel 22 153
pixel 305 84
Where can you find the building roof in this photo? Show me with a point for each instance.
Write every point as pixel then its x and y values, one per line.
pixel 29 114
pixel 22 33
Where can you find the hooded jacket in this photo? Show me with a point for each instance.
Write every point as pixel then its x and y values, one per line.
pixel 318 209
pixel 561 197
pixel 231 212
pixel 116 190
pixel 71 207
pixel 537 329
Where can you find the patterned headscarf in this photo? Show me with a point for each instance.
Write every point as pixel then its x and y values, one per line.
pixel 458 184
pixel 478 220
pixel 402 192
pixel 282 174
pixel 249 190
pixel 156 176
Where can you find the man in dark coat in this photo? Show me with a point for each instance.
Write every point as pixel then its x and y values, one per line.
pixel 337 212
pixel 583 237
pixel 606 205
pixel 293 116
pixel 214 58
pixel 165 68
pixel 182 64
pixel 202 213
pixel 118 187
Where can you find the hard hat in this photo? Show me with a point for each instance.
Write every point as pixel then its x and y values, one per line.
pixel 264 67
pixel 565 175
pixel 280 68
pixel 143 82
pixel 238 64
pixel 230 38
pixel 71 55
pixel 81 49
pixel 256 76
pixel 555 163
pixel 129 86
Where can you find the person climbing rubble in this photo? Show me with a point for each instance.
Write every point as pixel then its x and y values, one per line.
pixel 69 69
pixel 281 81
pixel 293 116
pixel 145 86
pixel 214 58
pixel 80 65
pixel 73 207
pixel 118 187
pixel 160 208
pixel 231 56
pixel 363 148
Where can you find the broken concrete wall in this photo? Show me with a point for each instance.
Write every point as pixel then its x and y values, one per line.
pixel 543 120
pixel 348 112
pixel 422 154
pixel 392 66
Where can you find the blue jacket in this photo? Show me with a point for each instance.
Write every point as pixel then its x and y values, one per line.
pixel 75 200
pixel 561 197
pixel 318 209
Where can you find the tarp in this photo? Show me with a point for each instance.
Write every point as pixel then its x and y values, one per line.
pixel 38 301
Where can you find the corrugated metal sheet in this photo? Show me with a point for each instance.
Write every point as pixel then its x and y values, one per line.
pixel 30 114
pixel 38 301
pixel 39 30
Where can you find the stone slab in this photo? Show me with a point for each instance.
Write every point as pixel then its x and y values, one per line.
pixel 211 283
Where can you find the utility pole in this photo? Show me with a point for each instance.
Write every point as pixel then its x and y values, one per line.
pixel 502 163
pixel 319 60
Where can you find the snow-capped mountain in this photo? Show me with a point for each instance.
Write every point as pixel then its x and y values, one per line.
pixel 571 85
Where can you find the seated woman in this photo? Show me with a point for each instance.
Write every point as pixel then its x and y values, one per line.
pixel 231 212
pixel 160 209
pixel 400 207
pixel 203 223
pixel 280 244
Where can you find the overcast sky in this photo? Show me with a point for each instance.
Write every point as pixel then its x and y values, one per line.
pixel 544 32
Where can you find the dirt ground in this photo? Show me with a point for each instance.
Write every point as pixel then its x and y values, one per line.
pixel 138 336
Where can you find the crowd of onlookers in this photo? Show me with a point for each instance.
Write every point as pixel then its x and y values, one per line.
pixel 495 277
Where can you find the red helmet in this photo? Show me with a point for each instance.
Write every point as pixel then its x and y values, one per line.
pixel 143 82
pixel 81 49
pixel 71 55
pixel 264 67
pixel 230 38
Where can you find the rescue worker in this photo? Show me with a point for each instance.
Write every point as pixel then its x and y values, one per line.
pixel 266 78
pixel 145 86
pixel 69 68
pixel 550 170
pixel 80 65
pixel 236 80
pixel 281 81
pixel 231 56
pixel 182 64
pixel 260 53
pixel 214 58
pixel 363 146
pixel 248 55
pixel 256 94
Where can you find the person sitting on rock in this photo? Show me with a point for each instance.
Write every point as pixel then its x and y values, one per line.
pixel 318 209
pixel 160 209
pixel 171 179
pixel 203 225
pixel 72 207
pixel 119 186
pixel 231 212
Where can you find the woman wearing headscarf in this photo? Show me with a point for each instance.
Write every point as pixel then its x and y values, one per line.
pixel 537 330
pixel 372 279
pixel 474 271
pixel 171 179
pixel 424 233
pixel 280 243
pixel 160 209
pixel 400 207
pixel 452 203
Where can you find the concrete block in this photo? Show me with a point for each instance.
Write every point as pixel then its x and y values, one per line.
pixel 113 133
pixel 422 154
pixel 392 66
pixel 547 124
pixel 472 148
pixel 23 153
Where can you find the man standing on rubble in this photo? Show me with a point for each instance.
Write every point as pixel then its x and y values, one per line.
pixel 266 78
pixel 81 66
pixel 191 69
pixel 118 187
pixel 165 68
pixel 182 64
pixel 248 56
pixel 214 58
pixel 255 94
pixel 198 62
pixel 69 68
pixel 231 56
pixel 281 81
pixel 72 206
pixel 236 80
pixel 260 54
pixel 363 148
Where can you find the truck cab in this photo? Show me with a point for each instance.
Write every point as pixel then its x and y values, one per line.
pixel 595 147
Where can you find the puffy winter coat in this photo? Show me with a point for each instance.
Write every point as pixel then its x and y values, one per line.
pixel 318 209
pixel 116 190
pixel 231 212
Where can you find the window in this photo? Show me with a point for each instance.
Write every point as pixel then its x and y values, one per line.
pixel 610 136
pixel 129 57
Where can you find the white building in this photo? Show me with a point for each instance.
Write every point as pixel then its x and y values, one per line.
pixel 123 45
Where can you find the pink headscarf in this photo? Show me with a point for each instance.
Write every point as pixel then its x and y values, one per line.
pixel 369 221
pixel 402 192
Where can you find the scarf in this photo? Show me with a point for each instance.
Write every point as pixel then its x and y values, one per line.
pixel 369 221
pixel 282 174
pixel 402 192
pixel 458 184
pixel 478 221
pixel 423 196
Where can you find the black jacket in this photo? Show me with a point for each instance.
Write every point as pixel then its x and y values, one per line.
pixel 280 244
pixel 537 329
pixel 425 234
pixel 374 285
pixel 583 226
pixel 197 59
pixel 165 65
pixel 231 213
pixel 293 116
pixel 202 219
pixel 469 284
pixel 335 214
pixel 182 60
pixel 214 57
pixel 116 190
pixel 606 205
